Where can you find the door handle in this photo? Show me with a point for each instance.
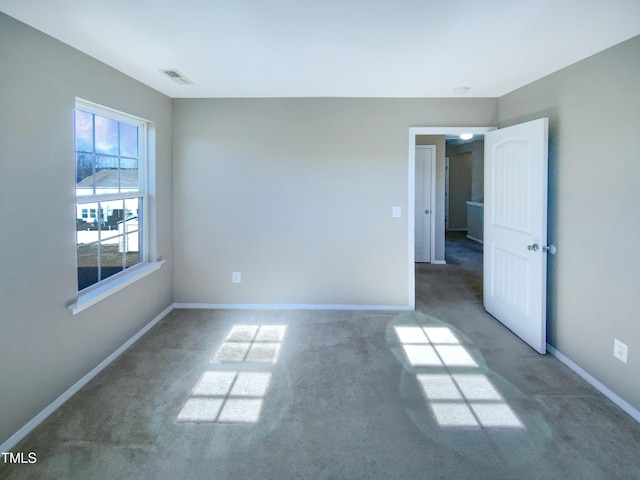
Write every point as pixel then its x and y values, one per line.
pixel 545 249
pixel 427 212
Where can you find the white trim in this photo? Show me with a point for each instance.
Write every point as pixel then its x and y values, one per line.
pixel 451 130
pixel 439 262
pixel 92 107
pixel 108 197
pixel 471 237
pixel 446 188
pixel 112 285
pixel 57 403
pixel 432 216
pixel 411 222
pixel 290 306
pixel 475 204
pixel 619 401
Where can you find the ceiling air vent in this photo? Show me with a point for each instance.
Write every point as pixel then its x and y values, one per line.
pixel 177 77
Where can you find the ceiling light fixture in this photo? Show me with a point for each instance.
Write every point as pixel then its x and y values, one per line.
pixel 466 136
pixel 461 90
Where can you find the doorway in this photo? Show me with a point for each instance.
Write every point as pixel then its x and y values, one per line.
pixel 437 233
pixel 515 234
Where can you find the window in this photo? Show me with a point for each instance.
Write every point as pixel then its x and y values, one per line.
pixel 111 193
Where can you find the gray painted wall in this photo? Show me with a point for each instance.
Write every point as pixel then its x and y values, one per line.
pixel 467 184
pixel 297 195
pixel 594 112
pixel 44 349
pixel 476 148
pixel 460 166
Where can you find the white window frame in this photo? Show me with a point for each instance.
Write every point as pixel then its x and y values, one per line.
pixel 146 162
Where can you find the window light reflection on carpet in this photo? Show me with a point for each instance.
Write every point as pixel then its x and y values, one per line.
pixel 236 397
pixel 467 401
pixel 226 397
pixel 418 344
pixel 251 343
pixel 457 399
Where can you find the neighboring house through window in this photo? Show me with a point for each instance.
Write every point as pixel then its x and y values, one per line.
pixel 111 192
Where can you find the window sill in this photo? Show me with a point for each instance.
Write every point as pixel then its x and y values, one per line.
pixel 85 300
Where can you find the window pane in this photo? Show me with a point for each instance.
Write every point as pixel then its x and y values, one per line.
pixel 86 221
pixel 84 131
pixel 132 230
pixel 107 174
pixel 106 135
pixel 87 265
pixel 113 216
pixel 133 249
pixel 132 208
pixel 128 140
pixel 111 258
pixel 129 181
pixel 84 174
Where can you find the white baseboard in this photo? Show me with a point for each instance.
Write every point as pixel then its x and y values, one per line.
pixel 471 237
pixel 439 262
pixel 620 402
pixel 53 406
pixel 294 306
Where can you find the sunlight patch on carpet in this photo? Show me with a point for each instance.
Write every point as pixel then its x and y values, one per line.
pixel 457 397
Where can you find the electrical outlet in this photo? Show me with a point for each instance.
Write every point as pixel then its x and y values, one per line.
pixel 236 277
pixel 620 350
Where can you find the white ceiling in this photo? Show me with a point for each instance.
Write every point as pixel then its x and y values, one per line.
pixel 335 48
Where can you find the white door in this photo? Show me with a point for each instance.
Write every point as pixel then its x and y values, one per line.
pixel 515 229
pixel 425 161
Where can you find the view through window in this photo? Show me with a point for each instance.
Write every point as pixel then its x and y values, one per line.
pixel 110 193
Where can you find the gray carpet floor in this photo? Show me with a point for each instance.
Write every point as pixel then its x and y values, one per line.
pixel 445 392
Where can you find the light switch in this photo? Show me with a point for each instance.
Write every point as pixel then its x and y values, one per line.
pixel 396 211
pixel 236 277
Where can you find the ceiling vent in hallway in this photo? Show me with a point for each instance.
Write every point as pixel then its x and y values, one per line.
pixel 177 77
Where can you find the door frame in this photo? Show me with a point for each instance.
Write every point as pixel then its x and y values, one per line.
pixel 446 191
pixel 436 193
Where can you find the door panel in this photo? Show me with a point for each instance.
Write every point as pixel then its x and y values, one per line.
pixel 515 229
pixel 425 158
pixel 512 186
